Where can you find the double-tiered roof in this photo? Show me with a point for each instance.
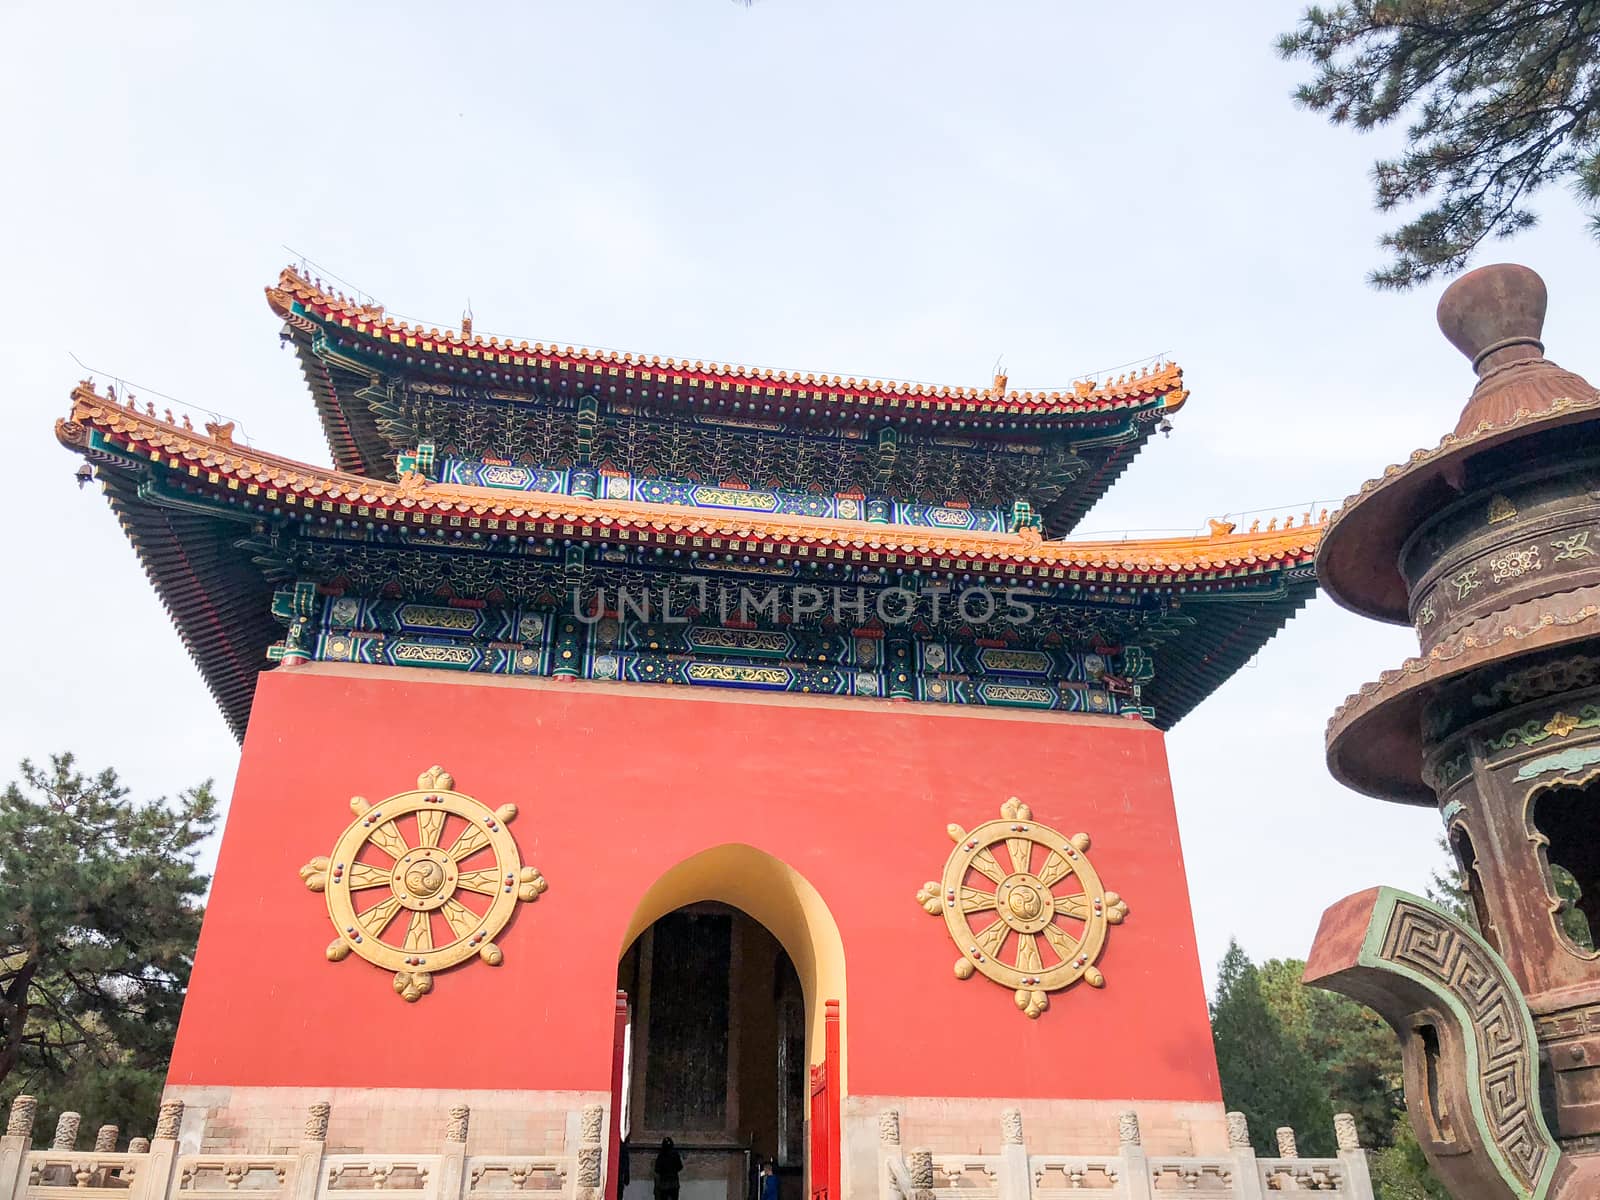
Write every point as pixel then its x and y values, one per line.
pixel 362 561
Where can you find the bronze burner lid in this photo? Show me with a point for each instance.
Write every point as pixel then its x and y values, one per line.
pixel 1494 316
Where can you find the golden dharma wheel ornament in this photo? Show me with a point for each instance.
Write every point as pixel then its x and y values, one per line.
pixel 422 881
pixel 1036 924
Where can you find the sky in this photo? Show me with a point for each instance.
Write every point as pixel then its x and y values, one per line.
pixel 911 189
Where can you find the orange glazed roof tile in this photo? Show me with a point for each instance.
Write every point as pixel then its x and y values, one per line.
pixel 1224 553
pixel 1136 389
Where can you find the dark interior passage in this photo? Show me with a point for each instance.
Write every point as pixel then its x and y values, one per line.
pixel 716 1055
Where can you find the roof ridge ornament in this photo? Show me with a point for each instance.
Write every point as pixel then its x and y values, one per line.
pixel 1155 384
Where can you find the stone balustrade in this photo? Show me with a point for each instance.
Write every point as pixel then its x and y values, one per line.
pixel 1130 1174
pixel 154 1169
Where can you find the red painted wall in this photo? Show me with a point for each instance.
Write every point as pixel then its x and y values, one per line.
pixel 615 788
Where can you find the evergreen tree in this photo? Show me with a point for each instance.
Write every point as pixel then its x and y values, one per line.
pixel 99 913
pixel 1501 98
pixel 1355 1055
pixel 1399 1170
pixel 1347 1059
pixel 1265 1075
pixel 1447 886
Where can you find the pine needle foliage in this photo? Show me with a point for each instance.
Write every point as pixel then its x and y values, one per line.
pixel 100 904
pixel 1265 1074
pixel 1292 1055
pixel 1500 100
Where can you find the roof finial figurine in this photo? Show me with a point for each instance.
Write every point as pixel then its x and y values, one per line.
pixel 466 321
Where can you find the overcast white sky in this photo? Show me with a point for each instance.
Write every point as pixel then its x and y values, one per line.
pixel 908 188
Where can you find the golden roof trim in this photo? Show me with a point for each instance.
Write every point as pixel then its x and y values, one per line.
pixel 1163 381
pixel 1221 550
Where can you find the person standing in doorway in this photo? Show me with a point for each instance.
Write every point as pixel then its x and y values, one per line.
pixel 669 1165
pixel 768 1189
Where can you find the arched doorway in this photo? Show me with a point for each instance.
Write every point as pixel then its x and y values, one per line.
pixel 729 964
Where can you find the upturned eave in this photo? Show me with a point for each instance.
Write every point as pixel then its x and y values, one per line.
pixel 1223 553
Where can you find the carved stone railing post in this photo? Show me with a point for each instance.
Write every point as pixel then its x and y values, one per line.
pixel 313 1144
pixel 67 1132
pixel 889 1154
pixel 1246 1171
pixel 919 1173
pixel 453 1159
pixel 1288 1149
pixel 1136 1181
pixel 155 1177
pixel 105 1142
pixel 1357 1177
pixel 138 1145
pixel 1345 1132
pixel 591 1150
pixel 16 1143
pixel 20 1123
pixel 1016 1180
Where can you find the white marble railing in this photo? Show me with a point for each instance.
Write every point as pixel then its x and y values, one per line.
pixel 154 1170
pixel 1053 1176
pixel 1130 1174
pixel 88 1175
pixel 1306 1175
pixel 967 1177
pixel 1195 1176
pixel 546 1177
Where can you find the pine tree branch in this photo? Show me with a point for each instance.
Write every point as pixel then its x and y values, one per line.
pixel 14 1016
pixel 1503 94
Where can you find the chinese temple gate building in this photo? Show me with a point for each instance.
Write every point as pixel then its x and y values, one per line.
pixel 720 739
